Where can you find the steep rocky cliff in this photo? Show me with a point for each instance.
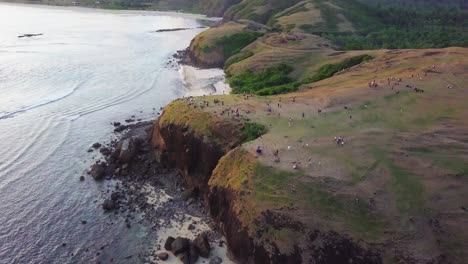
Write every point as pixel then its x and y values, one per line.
pixel 194 150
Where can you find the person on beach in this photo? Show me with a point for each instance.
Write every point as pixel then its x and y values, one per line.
pixel 290 121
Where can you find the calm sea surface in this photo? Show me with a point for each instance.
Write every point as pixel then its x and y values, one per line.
pixel 59 92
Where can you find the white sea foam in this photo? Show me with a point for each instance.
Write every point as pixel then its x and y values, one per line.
pixel 198 82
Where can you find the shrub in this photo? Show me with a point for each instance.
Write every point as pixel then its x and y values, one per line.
pixel 328 70
pixel 233 44
pixel 273 80
pixel 253 131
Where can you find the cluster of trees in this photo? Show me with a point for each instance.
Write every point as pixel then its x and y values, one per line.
pixel 233 44
pixel 270 81
pixel 398 27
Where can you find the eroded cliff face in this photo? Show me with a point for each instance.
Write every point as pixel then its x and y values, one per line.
pixel 177 147
pixel 195 153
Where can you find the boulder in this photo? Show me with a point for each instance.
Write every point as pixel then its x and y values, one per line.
pixel 203 245
pixel 194 254
pixel 108 205
pixel 105 151
pixel 185 258
pixel 168 243
pixel 163 256
pixel 180 245
pixel 96 145
pixel 120 128
pixel 98 171
pixel 115 196
pixel 128 150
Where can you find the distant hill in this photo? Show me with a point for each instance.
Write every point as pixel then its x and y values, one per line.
pixel 419 3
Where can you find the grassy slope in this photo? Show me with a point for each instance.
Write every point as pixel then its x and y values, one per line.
pixel 348 24
pixel 215 45
pixel 400 179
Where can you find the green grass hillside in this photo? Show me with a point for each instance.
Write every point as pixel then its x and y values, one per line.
pixel 397 184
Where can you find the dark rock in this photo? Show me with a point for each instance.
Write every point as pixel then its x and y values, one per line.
pixel 190 201
pixel 163 256
pixel 191 227
pixel 116 124
pixel 180 245
pixel 108 205
pixel 194 254
pixel 185 258
pixel 96 145
pixel 120 128
pixel 90 150
pixel 98 171
pixel 105 151
pixel 64 244
pixel 168 243
pixel 216 260
pixel 128 149
pixel 30 35
pixel 84 222
pixel 115 196
pixel 203 245
pixel 82 178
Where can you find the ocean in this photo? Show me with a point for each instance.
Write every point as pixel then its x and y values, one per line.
pixel 59 93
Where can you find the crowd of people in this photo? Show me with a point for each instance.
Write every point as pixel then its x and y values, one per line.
pixel 340 141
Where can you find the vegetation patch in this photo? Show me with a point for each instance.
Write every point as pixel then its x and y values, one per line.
pixel 408 188
pixel 271 186
pixel 273 80
pixel 272 189
pixel 179 113
pixel 328 70
pixel 400 27
pixel 233 170
pixel 253 131
pixel 238 58
pixel 233 44
pixel 446 157
pixel 358 218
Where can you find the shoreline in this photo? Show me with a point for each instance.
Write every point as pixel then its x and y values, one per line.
pixel 200 82
pixel 123 11
pixel 149 190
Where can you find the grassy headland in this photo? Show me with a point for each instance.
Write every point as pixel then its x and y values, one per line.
pixel 398 180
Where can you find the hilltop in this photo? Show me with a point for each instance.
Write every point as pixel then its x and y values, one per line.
pixel 392 193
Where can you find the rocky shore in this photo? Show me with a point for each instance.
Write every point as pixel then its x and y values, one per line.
pixel 146 188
